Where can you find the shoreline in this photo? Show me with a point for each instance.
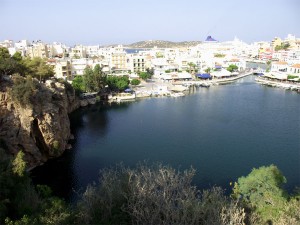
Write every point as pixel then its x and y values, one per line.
pixel 174 89
pixel 278 84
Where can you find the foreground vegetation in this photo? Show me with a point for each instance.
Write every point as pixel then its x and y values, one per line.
pixel 148 194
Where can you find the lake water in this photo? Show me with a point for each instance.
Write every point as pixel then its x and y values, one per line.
pixel 222 131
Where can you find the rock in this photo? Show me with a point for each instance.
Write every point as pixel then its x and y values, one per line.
pixel 83 103
pixel 42 130
pixel 92 101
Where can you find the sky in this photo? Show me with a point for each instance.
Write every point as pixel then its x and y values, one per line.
pixel 104 22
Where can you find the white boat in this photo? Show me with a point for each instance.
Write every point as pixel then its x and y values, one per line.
pixel 177 94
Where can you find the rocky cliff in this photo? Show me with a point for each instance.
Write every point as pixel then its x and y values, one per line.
pixel 41 130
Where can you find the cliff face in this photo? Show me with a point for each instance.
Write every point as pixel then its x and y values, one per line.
pixel 42 130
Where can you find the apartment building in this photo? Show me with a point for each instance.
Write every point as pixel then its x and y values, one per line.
pixel 63 70
pixel 136 63
pixel 57 50
pixel 78 52
pixel 37 50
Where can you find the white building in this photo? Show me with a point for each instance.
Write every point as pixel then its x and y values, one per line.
pixel 7 44
pixel 63 70
pixel 279 66
pixel 22 44
pixel 78 65
pixel 136 63
pixel 78 52
pixel 58 50
pixel 92 50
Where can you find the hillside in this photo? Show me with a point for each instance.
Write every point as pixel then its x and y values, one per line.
pixel 162 44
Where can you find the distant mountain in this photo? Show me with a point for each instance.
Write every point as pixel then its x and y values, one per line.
pixel 162 44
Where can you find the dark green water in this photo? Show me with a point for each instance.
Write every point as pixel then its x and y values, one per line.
pixel 222 131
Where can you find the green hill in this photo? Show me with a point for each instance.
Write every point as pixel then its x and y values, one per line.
pixel 162 44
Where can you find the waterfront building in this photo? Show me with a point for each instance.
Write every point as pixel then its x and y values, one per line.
pixel 280 66
pixel 136 63
pixel 265 54
pixel 118 59
pixel 281 55
pixel 240 63
pixel 159 66
pixel 294 69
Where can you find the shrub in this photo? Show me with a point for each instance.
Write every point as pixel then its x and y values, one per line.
pixel 23 90
pixel 154 194
pixel 135 82
pixel 55 147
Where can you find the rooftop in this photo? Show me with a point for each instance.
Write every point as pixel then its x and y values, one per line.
pixel 296 66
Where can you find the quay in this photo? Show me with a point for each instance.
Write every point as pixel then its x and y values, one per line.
pixel 273 83
pixel 207 83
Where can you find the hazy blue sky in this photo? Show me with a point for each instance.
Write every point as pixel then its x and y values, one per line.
pixel 127 21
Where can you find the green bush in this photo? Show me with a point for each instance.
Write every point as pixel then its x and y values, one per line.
pixel 135 82
pixel 78 85
pixel 145 75
pixel 116 83
pixel 292 77
pixel 23 90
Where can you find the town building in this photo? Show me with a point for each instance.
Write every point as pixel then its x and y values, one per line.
pixel 78 52
pixel 37 49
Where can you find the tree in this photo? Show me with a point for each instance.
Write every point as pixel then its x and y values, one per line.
pixel 19 165
pixel 88 77
pixel 262 190
pixel 17 56
pixel 192 66
pixel 116 83
pixel 207 70
pixel 99 77
pixel 122 83
pixel 4 53
pixel 135 82
pixel 38 68
pixel 269 62
pixel 283 46
pixel 144 75
pixel 232 68
pixel 9 65
pixel 94 79
pixel 78 85
pixel 150 71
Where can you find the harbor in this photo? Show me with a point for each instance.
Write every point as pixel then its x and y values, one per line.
pixel 158 88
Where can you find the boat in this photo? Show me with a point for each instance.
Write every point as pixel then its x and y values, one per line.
pixel 177 94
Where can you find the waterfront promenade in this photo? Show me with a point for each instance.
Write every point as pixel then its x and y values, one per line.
pixel 281 84
pixel 214 81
